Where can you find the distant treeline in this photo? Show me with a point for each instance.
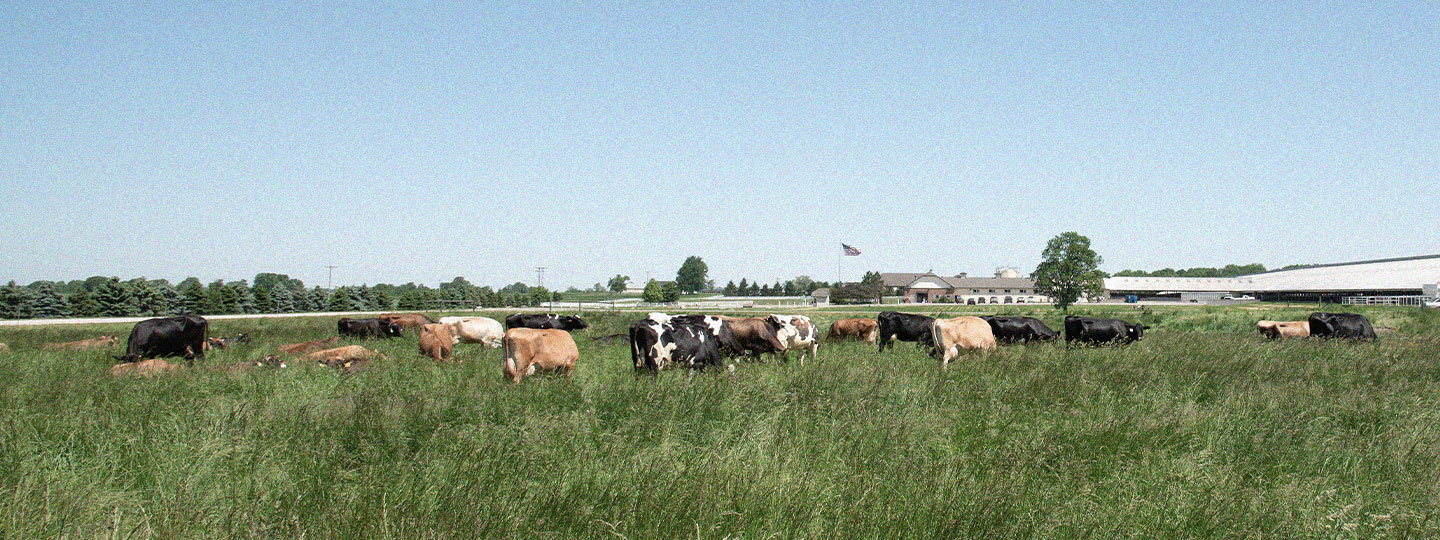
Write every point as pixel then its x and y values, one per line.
pixel 1229 270
pixel 101 296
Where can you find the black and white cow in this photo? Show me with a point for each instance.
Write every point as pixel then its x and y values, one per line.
pixel 1340 325
pixel 1088 330
pixel 543 321
pixel 717 327
pixel 896 326
pixel 182 336
pixel 656 345
pixel 1019 329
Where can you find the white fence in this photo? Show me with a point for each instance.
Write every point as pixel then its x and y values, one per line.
pixel 1384 300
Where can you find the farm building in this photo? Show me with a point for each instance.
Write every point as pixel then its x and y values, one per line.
pixel 1398 277
pixel 1006 287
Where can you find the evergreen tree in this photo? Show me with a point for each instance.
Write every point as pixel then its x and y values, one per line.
pixel 744 289
pixel 754 289
pixel 192 296
pixel 215 299
pixel 282 300
pixel 15 302
pixel 244 297
pixel 319 299
pixel 113 299
pixel 82 304
pixel 343 299
pixel 264 299
pixel 730 288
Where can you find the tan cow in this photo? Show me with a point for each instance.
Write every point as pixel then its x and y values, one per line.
pixel 476 330
pixel 144 368
pixel 951 336
pixel 865 329
pixel 344 357
pixel 1283 329
pixel 436 341
pixel 4 348
pixel 407 320
pixel 308 346
pixel 528 350
pixel 93 343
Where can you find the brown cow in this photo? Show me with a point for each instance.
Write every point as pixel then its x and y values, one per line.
pixel 308 346
pixel 407 320
pixel 93 343
pixel 950 336
pixel 1283 329
pixel 755 335
pixel 528 350
pixel 340 356
pixel 865 329
pixel 437 341
pixel 144 367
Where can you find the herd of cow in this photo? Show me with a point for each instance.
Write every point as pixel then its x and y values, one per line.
pixel 541 342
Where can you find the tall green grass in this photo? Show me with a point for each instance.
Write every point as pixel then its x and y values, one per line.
pixel 1202 430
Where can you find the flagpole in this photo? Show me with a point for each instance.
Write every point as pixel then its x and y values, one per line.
pixel 839 257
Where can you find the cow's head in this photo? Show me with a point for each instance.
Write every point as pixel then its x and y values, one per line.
pixel 272 360
pixel 571 322
pixel 391 329
pixel 1135 331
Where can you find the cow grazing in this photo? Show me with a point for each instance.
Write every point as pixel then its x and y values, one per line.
pixel 896 326
pixel 797 332
pixel 542 321
pixel 1019 329
pixel 476 330
pixel 367 328
pixel 406 320
pixel 308 346
pixel 717 327
pixel 655 346
pixel 754 335
pixel 529 350
pixel 226 342
pixel 865 329
pixel 951 336
pixel 182 336
pixel 145 368
pixel 92 343
pixel 1283 329
pixel 350 358
pixel 436 341
pixel 1098 331
pixel 1341 325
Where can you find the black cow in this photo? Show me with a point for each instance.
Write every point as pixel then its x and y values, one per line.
pixel 657 345
pixel 541 321
pixel 1340 325
pixel 715 326
pixel 367 328
pixel 1019 329
pixel 182 336
pixel 896 326
pixel 1087 330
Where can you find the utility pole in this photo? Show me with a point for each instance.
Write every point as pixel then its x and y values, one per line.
pixel 330 280
pixel 539 276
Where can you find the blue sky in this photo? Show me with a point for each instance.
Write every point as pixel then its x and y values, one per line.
pixel 417 142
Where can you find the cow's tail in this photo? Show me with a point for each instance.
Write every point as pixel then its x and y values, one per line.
pixel 935 341
pixel 634 348
pixel 511 370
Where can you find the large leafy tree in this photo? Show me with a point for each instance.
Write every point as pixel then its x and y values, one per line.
pixel 691 276
pixel 652 292
pixel 1069 270
pixel 618 283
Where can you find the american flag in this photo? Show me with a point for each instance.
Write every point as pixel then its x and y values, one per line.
pixel 849 250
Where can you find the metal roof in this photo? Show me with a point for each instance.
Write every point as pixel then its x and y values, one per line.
pixel 1403 273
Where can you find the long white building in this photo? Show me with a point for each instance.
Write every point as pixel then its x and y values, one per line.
pixel 1325 282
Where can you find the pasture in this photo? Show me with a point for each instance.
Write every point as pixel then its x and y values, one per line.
pixel 1201 430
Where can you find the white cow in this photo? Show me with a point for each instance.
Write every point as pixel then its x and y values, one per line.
pixel 476 330
pixel 797 331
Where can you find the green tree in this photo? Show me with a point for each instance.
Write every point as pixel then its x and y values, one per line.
pixel 192 296
pixel 15 302
pixel 669 293
pixel 744 288
pixel 342 299
pixel 377 299
pixel 244 301
pixel 652 292
pixel 113 299
pixel 691 276
pixel 754 289
pixel 1069 270
pixel 618 283
pixel 82 304
pixel 730 289
pixel 282 300
pixel 515 288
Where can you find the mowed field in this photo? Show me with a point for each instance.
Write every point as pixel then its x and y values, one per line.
pixel 1202 430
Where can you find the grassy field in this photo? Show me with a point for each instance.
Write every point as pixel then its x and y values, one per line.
pixel 1202 430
